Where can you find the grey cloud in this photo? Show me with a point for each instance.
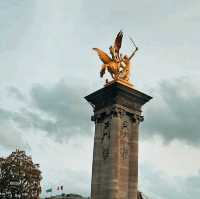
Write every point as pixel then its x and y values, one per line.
pixel 16 93
pixel 4 115
pixel 18 118
pixel 60 110
pixel 174 112
pixel 25 120
pixel 65 104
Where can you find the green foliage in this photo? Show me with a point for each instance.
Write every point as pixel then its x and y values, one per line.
pixel 19 177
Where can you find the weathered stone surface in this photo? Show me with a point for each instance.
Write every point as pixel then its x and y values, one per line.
pixel 117 114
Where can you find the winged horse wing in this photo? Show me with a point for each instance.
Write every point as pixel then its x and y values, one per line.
pixel 118 42
pixel 103 56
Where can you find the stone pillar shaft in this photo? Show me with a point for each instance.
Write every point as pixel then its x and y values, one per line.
pixel 117 114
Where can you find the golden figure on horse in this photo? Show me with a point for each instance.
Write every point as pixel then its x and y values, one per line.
pixel 117 65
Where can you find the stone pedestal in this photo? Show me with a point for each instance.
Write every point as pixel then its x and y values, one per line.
pixel 117 114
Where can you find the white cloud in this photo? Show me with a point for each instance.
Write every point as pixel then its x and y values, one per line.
pixel 174 159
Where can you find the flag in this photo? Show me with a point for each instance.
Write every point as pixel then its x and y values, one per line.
pixel 49 190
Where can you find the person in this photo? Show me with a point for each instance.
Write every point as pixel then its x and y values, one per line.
pixel 125 65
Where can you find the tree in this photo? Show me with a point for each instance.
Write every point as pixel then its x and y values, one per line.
pixel 19 177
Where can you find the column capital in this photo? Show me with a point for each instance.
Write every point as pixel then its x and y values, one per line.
pixel 120 94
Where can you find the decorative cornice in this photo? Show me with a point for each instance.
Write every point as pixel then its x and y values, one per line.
pixel 117 93
pixel 117 111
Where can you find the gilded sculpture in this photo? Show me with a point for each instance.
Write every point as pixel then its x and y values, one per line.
pixel 118 65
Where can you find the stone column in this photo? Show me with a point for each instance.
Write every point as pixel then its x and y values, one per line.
pixel 117 114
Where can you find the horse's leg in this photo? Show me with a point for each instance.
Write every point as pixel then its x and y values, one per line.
pixel 109 68
pixel 103 69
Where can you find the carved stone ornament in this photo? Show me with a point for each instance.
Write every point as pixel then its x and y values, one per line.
pixel 118 112
pixel 124 150
pixel 135 118
pixel 105 140
pixel 124 130
pixel 124 147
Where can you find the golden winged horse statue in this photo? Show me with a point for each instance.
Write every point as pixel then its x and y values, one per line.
pixel 117 65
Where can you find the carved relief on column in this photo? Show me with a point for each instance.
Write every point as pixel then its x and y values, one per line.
pixel 126 119
pixel 118 112
pixel 105 140
pixel 124 134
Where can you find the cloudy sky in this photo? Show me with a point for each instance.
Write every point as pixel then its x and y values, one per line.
pixel 47 67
